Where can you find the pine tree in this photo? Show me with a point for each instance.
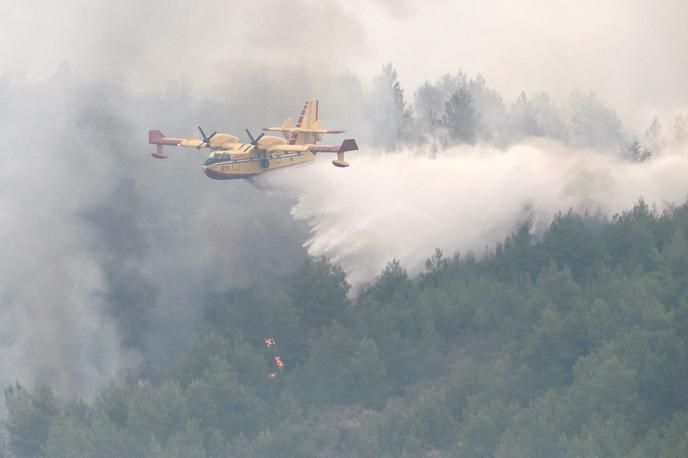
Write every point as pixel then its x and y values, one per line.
pixel 460 117
pixel 390 114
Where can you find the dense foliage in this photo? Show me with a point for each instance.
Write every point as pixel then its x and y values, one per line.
pixel 571 343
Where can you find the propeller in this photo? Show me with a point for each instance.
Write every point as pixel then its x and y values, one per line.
pixel 206 138
pixel 264 162
pixel 254 141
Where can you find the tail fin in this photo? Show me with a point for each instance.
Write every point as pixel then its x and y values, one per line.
pixel 317 125
pixel 286 129
pixel 308 130
pixel 286 125
pixel 308 117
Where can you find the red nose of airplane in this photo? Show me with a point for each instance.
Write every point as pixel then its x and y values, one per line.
pixel 210 173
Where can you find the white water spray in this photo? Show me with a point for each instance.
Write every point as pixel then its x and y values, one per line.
pixel 402 206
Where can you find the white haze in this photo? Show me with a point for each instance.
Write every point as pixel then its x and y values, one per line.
pixel 464 199
pixel 633 53
pixel 49 281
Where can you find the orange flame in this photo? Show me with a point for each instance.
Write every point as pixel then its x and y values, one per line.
pixel 270 342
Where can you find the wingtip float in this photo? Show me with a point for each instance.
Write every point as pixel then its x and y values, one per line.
pixel 231 159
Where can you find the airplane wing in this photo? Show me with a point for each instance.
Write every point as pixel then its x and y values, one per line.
pixel 347 145
pixel 155 137
pixel 286 148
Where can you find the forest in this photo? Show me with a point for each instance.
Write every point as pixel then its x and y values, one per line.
pixel 572 343
pixel 567 341
pixel 502 271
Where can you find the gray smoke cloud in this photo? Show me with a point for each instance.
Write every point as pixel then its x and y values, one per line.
pixel 207 43
pixel 49 279
pixel 631 52
pixel 109 254
pixel 462 199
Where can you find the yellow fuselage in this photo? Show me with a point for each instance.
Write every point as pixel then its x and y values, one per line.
pixel 246 161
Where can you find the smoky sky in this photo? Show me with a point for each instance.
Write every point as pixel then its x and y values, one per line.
pixel 632 53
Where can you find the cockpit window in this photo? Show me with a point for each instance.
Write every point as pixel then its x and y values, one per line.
pixel 216 156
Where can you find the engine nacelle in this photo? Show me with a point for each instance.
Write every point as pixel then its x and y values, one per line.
pixel 270 140
pixel 220 139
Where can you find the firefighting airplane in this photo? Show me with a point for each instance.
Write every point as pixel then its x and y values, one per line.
pixel 230 159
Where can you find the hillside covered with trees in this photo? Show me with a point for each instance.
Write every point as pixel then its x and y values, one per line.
pixel 572 343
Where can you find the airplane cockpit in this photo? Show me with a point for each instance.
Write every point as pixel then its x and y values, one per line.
pixel 218 156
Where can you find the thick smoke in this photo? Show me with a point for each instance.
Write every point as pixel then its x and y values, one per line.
pixel 463 199
pixel 108 254
pixel 50 315
pixel 147 45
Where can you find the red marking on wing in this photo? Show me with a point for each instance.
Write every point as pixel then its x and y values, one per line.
pixel 155 137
